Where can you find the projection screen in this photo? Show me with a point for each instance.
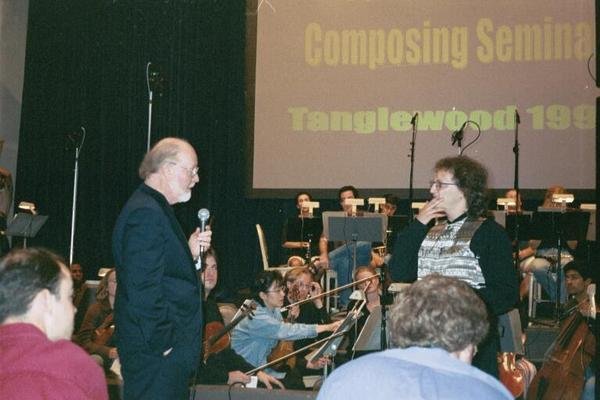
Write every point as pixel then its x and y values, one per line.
pixel 337 83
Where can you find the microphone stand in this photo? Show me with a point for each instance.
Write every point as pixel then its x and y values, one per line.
pixel 517 190
pixel 150 95
pixel 78 146
pixel 384 302
pixel 413 122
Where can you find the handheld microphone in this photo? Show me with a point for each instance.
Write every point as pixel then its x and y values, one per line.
pixel 203 216
pixel 457 136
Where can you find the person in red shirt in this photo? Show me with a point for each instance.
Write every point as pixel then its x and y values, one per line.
pixel 36 323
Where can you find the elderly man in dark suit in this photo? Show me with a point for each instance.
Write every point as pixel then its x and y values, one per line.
pixel 158 314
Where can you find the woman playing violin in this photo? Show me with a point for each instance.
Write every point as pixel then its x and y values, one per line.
pixel 222 365
pixel 255 338
pixel 97 328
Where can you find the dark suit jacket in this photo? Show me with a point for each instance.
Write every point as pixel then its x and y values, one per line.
pixel 158 301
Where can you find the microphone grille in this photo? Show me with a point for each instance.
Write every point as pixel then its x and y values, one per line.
pixel 203 214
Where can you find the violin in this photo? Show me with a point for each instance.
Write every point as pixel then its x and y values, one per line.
pixel 562 374
pixel 103 334
pixel 217 334
pixel 508 373
pixel 286 347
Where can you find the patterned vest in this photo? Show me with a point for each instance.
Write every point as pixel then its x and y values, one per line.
pixel 446 251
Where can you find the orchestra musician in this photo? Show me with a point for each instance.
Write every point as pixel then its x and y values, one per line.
pixel 578 277
pixel 300 285
pixel 464 245
pixel 372 289
pixel 221 364
pixel 301 237
pixel 341 258
pixel 255 338
pixel 96 331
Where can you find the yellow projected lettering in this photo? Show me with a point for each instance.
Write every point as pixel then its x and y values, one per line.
pixel 447 45
pixel 382 120
pixel 560 117
pixel 533 42
pixel 374 48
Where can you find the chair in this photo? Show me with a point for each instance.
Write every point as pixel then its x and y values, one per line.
pixel 262 241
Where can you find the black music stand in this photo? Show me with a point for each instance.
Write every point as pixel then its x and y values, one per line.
pixel 395 224
pixel 329 348
pixel 369 338
pixel 559 226
pixel 367 227
pixel 25 226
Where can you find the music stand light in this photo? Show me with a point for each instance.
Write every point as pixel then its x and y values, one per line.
pixel 311 205
pixel 417 205
pixel 354 203
pixel 505 202
pixel 377 202
pixel 563 199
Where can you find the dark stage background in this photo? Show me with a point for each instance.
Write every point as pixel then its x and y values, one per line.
pixel 86 66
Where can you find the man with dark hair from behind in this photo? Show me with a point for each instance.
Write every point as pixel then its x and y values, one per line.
pixel 436 325
pixel 36 323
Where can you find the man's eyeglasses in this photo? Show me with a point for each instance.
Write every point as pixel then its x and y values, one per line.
pixel 439 184
pixel 277 290
pixel 191 171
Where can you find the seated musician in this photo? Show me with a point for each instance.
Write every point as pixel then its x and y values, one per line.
pixel 96 331
pixel 372 290
pixel 435 327
pixel 546 254
pixel 300 285
pixel 255 338
pixel 221 364
pixel 341 258
pixel 577 278
pixel 301 234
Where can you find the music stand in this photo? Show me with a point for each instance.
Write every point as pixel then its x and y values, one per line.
pixel 329 348
pixel 559 226
pixel 369 338
pixel 25 226
pixel 395 224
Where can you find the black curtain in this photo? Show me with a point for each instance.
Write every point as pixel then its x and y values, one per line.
pixel 86 67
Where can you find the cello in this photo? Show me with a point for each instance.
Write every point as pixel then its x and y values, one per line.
pixel 562 374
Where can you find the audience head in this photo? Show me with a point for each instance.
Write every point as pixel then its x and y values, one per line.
pixel 512 194
pixel 370 286
pixel 209 274
pixel 556 189
pixel 578 277
pixel 461 182
pixel 36 288
pixel 171 167
pixel 268 290
pixel 301 197
pixel 390 206
pixel 347 192
pixel 298 282
pixel 76 274
pixel 107 288
pixel 439 312
pixel 295 261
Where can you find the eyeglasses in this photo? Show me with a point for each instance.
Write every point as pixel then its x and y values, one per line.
pixel 439 184
pixel 191 171
pixel 277 290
